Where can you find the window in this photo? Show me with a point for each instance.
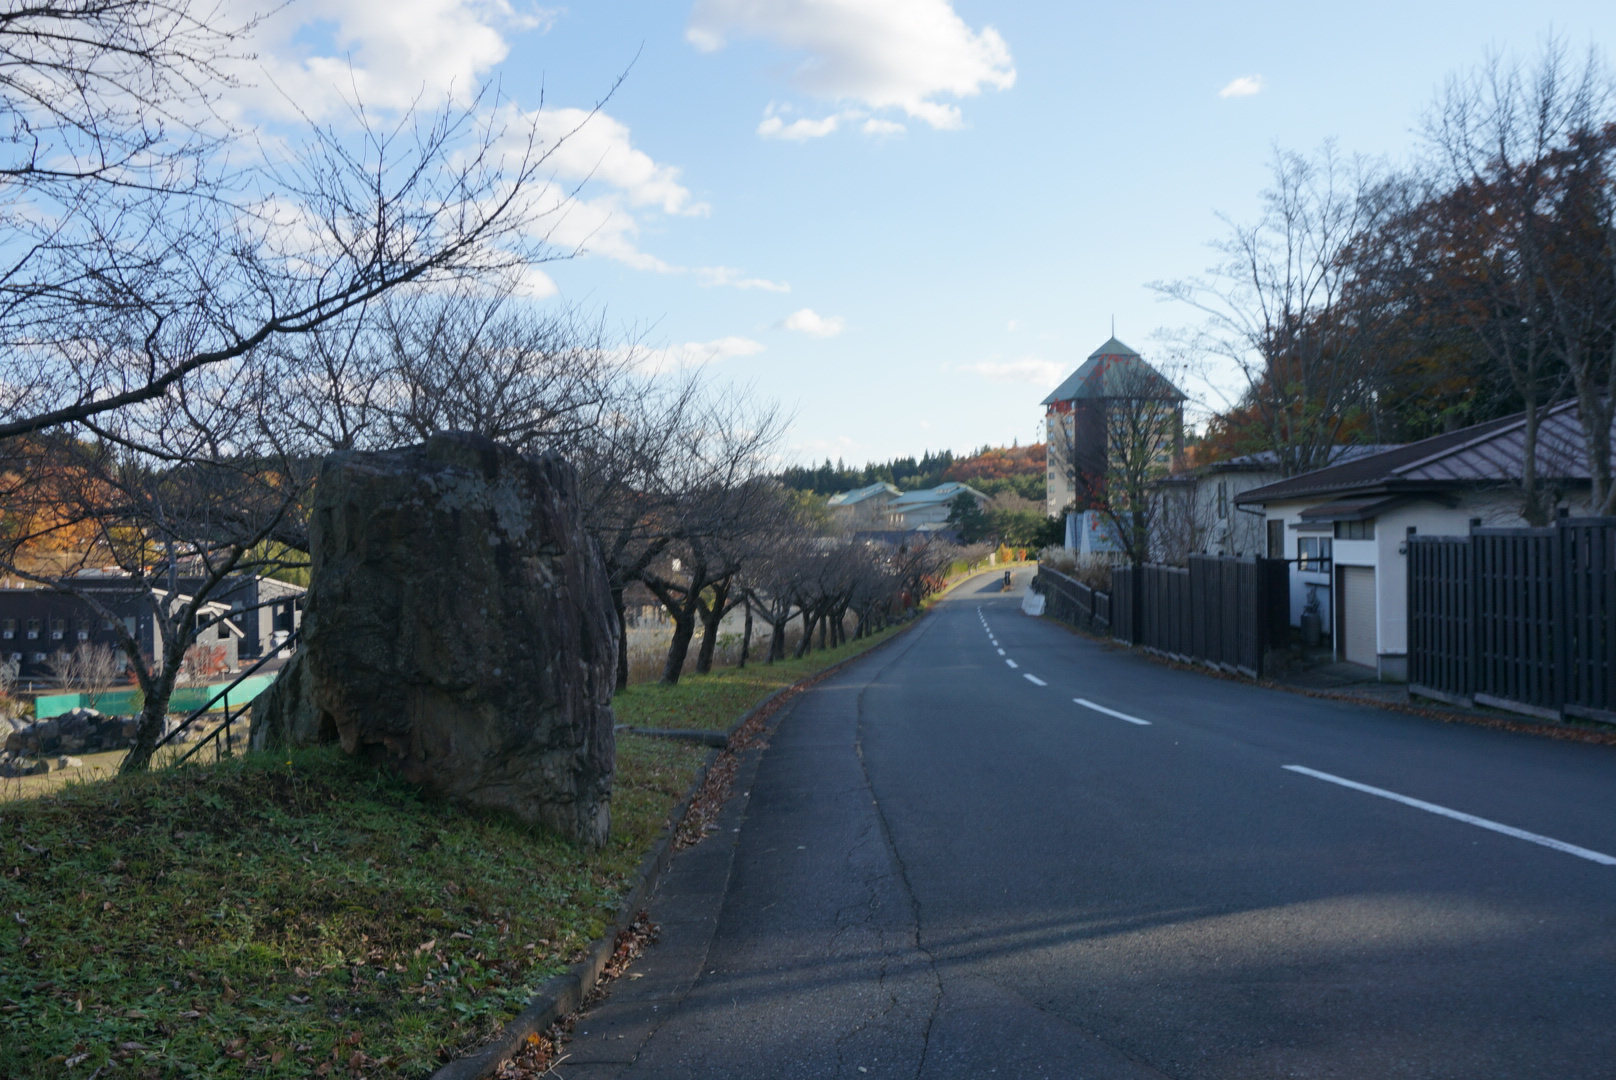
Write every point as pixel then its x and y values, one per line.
pixel 58 628
pixel 1313 554
pixel 1355 530
pixel 1276 538
pixel 1223 498
pixel 33 629
pixel 8 629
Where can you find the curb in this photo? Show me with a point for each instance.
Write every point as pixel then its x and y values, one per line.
pixel 560 995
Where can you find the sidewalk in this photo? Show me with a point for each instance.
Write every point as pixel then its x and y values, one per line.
pixel 1322 677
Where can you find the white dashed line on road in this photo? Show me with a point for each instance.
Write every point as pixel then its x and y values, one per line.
pixel 1035 680
pixel 1011 662
pixel 1087 704
pixel 1457 815
pixel 1001 652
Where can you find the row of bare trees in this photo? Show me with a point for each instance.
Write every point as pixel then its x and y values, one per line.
pixel 1375 304
pixel 190 320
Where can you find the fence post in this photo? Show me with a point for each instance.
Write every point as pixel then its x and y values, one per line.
pixel 1472 604
pixel 1560 617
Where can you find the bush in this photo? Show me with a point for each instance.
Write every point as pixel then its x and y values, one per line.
pixel 1058 559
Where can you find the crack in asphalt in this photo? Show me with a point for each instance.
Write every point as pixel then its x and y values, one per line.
pixel 915 940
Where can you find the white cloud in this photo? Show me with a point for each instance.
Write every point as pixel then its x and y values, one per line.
pixel 597 147
pixel 898 55
pixel 1025 369
pixel 1244 86
pixel 876 126
pixel 696 353
pixel 728 275
pixel 810 322
pixel 314 62
pixel 772 127
pixel 315 59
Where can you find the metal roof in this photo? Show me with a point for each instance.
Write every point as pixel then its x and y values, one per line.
pixel 1490 453
pixel 848 498
pixel 926 496
pixel 1115 371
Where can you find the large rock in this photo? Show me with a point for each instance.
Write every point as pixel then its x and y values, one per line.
pixel 459 629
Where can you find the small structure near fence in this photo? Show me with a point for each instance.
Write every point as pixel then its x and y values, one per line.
pixel 1223 611
pixel 1520 619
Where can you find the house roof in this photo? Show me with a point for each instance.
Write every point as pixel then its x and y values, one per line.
pixel 1268 460
pixel 1114 371
pixel 929 496
pixel 848 498
pixel 1488 453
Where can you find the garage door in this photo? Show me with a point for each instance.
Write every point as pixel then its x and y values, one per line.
pixel 1358 614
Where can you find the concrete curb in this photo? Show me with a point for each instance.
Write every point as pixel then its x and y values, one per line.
pixel 563 994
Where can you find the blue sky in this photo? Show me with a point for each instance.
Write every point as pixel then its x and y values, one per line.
pixel 906 220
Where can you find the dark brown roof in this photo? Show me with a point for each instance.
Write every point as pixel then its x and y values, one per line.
pixel 1489 453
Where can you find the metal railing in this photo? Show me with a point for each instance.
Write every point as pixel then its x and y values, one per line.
pixel 222 746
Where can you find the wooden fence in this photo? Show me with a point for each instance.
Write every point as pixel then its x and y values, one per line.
pixel 1524 619
pixel 1220 610
pixel 1073 602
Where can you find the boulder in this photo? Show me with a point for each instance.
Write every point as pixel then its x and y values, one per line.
pixel 459 629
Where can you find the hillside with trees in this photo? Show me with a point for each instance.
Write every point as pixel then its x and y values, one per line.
pixel 992 470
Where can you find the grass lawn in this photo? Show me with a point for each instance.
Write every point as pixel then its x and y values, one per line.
pixel 715 701
pixel 300 914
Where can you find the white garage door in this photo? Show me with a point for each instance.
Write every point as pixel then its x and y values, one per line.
pixel 1358 614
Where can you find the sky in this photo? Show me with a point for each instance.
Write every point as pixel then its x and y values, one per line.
pixel 905 221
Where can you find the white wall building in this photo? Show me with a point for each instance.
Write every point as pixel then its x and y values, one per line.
pixel 1348 525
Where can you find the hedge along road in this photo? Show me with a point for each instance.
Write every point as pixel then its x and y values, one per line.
pixel 999 848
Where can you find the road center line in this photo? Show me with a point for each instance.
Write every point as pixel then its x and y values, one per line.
pixel 1035 680
pixel 1087 704
pixel 1012 663
pixel 1456 815
pixel 1001 652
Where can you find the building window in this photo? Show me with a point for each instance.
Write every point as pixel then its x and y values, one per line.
pixel 1355 530
pixel 1223 498
pixel 8 629
pixel 58 629
pixel 39 658
pixel 1313 554
pixel 33 629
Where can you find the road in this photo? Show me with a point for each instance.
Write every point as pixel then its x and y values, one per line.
pixel 997 848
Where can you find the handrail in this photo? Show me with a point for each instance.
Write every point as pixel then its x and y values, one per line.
pixel 225 694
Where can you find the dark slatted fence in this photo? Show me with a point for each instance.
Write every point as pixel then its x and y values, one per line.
pixel 1220 610
pixel 1521 618
pixel 1073 602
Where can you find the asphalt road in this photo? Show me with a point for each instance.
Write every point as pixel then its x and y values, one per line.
pixel 996 848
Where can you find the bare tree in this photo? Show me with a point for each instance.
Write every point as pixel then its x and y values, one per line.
pixel 174 495
pixel 90 668
pixel 1485 235
pixel 1144 431
pixel 721 501
pixel 145 240
pixel 1286 308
